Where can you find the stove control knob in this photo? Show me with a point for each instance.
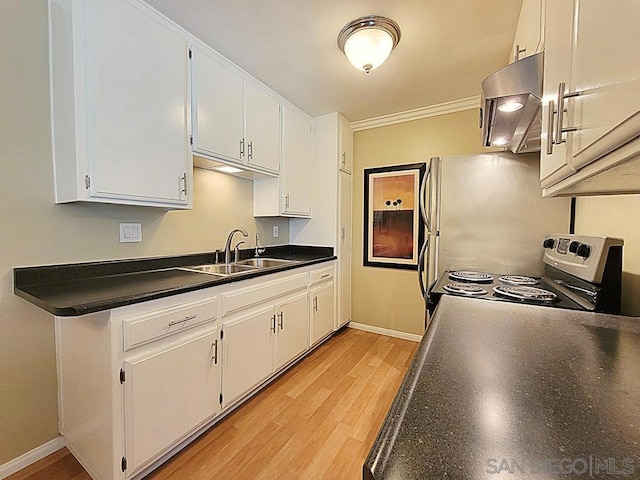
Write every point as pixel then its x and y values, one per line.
pixel 549 243
pixel 583 250
pixel 573 247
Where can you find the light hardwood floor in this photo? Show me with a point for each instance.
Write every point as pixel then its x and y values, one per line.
pixel 318 421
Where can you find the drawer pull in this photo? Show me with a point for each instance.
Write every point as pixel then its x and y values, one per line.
pixel 326 275
pixel 281 320
pixel 184 320
pixel 273 324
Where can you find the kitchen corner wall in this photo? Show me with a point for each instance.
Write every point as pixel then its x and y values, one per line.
pixel 35 231
pixel 384 297
pixel 616 216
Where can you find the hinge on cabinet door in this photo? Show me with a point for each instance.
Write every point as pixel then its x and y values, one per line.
pixel 220 399
pixel 123 463
pixel 87 182
pixel 221 334
pixel 123 376
pixel 191 140
pixel 190 54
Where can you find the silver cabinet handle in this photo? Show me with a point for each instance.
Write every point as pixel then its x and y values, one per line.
pixel 344 159
pixel 242 147
pixel 183 180
pixel 560 120
pixel 184 320
pixel 550 115
pixel 250 148
pixel 214 358
pixel 273 324
pixel 315 303
pixel 281 320
pixel 343 233
pixel 326 275
pixel 286 202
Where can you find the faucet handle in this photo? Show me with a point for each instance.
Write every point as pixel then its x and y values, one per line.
pixel 217 260
pixel 236 252
pixel 259 251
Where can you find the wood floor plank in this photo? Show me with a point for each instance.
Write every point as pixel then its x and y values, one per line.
pixel 317 421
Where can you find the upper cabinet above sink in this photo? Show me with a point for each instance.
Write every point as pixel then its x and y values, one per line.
pixel 233 120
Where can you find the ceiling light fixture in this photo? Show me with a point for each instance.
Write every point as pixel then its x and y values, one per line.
pixel 368 41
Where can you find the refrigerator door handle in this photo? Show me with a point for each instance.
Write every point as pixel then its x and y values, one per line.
pixel 421 267
pixel 422 195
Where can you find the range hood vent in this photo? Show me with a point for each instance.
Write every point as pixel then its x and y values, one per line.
pixel 510 113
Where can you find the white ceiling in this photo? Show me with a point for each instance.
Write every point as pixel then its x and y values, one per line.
pixel 447 48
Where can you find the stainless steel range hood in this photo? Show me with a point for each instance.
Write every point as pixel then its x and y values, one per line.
pixel 510 114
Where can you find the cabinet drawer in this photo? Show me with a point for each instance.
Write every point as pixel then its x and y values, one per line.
pixel 152 326
pixel 321 275
pixel 245 297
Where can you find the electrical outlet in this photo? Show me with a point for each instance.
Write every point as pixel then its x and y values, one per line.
pixel 130 232
pixel 275 231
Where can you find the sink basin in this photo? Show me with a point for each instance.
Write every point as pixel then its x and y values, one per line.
pixel 221 268
pixel 264 262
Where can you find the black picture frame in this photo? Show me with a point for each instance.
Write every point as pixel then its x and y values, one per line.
pixel 393 231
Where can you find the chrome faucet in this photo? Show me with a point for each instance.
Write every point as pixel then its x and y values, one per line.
pixel 227 247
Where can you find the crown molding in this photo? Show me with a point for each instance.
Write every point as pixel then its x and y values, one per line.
pixel 454 106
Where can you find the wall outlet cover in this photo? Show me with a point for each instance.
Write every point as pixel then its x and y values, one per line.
pixel 275 231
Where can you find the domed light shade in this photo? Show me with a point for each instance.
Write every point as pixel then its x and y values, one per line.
pixel 367 41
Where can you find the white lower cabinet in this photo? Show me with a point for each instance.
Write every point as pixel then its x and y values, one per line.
pixel 168 393
pixel 322 311
pixel 268 327
pixel 138 382
pixel 247 352
pixel 292 328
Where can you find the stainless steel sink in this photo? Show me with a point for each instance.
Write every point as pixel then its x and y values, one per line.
pixel 264 262
pixel 221 268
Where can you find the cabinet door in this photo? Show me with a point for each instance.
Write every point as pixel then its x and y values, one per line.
pixel 217 110
pixel 293 328
pixel 555 161
pixel 344 250
pixel 529 37
pixel 247 352
pixel 137 94
pixel 296 160
pixel 346 147
pixel 607 75
pixel 322 311
pixel 262 121
pixel 168 393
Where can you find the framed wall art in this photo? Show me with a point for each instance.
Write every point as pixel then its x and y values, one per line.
pixel 393 231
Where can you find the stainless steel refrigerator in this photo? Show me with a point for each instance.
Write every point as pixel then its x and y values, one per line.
pixel 485 212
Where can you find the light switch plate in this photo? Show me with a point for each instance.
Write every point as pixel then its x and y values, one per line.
pixel 130 232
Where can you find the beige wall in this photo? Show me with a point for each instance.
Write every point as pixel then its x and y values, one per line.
pixel 34 231
pixel 616 216
pixel 384 297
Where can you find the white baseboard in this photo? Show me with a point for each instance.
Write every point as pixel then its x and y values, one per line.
pixel 385 331
pixel 31 457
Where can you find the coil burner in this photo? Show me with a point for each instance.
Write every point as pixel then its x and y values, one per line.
pixel 525 293
pixel 518 280
pixel 470 277
pixel 465 289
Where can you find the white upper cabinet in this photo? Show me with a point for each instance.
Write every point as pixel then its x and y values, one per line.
pixel 591 105
pixel 296 159
pixel 291 194
pixel 217 110
pixel 262 120
pixel 346 146
pixel 120 101
pixel 233 119
pixel 529 37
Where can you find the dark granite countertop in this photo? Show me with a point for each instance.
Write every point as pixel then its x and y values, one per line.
pixel 82 288
pixel 503 390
